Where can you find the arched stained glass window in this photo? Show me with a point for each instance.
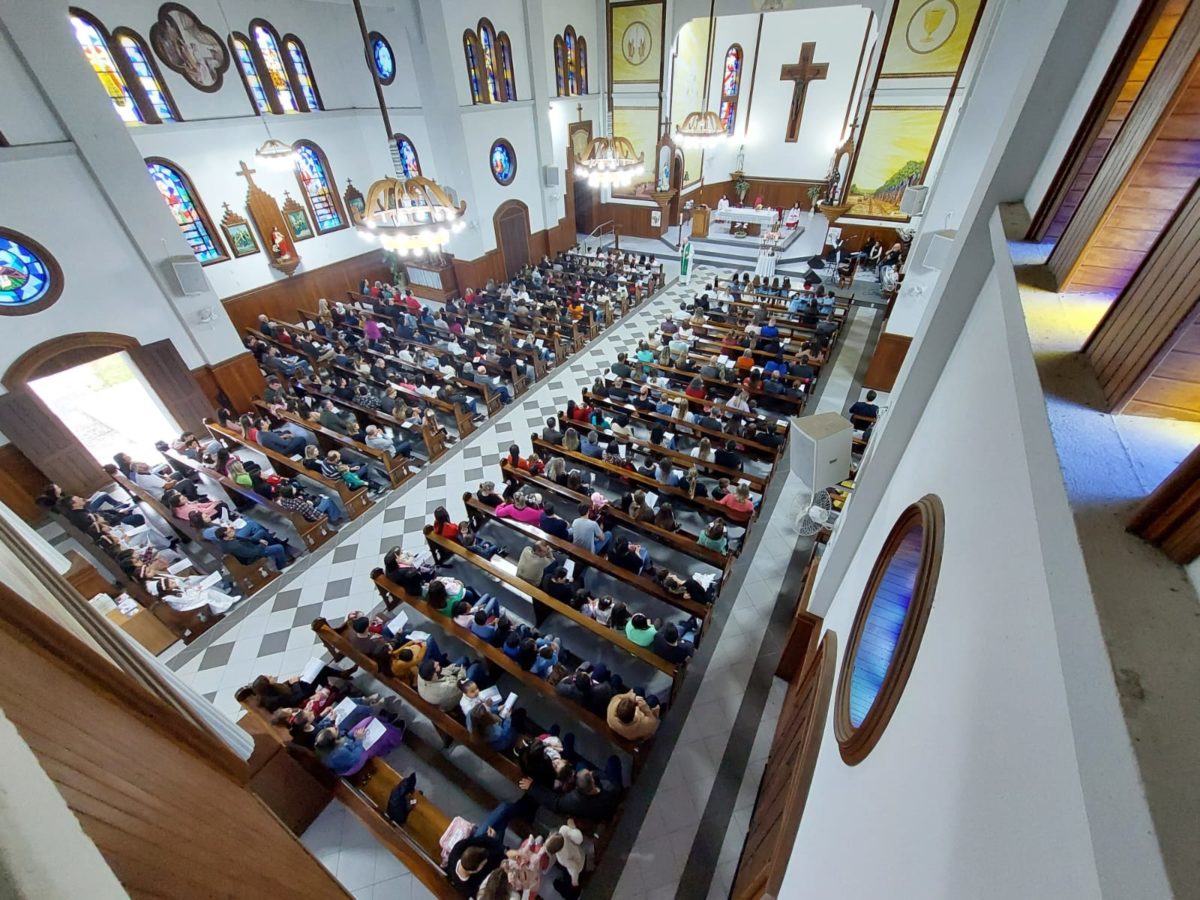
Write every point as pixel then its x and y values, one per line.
pixel 506 67
pixel 266 43
pixel 731 82
pixel 475 75
pixel 581 75
pixel 92 38
pixel 254 87
pixel 302 72
pixel 504 162
pixel 410 164
pixel 316 180
pixel 569 42
pixel 487 41
pixel 382 57
pixel 190 215
pixel 30 278
pixel 147 73
pixel 560 65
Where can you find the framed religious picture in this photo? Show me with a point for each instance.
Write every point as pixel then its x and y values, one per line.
pixel 579 136
pixel 296 217
pixel 655 218
pixel 355 202
pixel 188 46
pixel 238 234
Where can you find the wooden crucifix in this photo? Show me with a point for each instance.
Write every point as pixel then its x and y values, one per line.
pixel 802 73
pixel 274 229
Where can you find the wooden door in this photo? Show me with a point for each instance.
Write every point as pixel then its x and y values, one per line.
pixel 170 378
pixel 512 235
pixel 47 443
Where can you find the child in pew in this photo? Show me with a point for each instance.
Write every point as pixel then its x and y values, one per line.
pixel 548 648
pixel 477 545
pixel 465 614
pixel 346 754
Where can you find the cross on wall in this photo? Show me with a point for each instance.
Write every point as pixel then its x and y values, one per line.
pixel 803 73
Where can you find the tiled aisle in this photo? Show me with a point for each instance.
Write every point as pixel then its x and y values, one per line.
pixel 274 637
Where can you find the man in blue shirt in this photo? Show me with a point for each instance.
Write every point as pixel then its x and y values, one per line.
pixel 590 446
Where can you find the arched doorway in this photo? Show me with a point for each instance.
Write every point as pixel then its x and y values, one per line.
pixel 511 222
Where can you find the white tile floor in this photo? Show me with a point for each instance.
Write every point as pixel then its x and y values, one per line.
pixel 274 636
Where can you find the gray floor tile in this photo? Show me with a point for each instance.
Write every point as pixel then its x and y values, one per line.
pixel 345 553
pixel 339 588
pixel 286 600
pixel 305 614
pixel 273 643
pixel 215 656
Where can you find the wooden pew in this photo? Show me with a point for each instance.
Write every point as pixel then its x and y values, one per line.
pixel 714 385
pixel 393 594
pixel 480 512
pixel 435 445
pixel 313 534
pixel 614 637
pixel 248 577
pixel 366 793
pixel 462 419
pixel 355 502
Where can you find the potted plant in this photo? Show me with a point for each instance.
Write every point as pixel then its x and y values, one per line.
pixel 741 186
pixel 814 196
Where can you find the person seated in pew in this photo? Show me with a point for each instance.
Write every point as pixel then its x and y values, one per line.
pixel 630 556
pixel 664 517
pixel 182 508
pixel 273 695
pixel 713 537
pixel 550 522
pixel 738 503
pixel 550 433
pixel 641 630
pixel 364 637
pixel 534 561
pixel 183 593
pixel 477 545
pixel 79 512
pixel 671 644
pixel 248 552
pixel 636 507
pixel 343 754
pixel 633 717
pixel 520 647
pixel 522 509
pixel 548 648
pixel 728 456
pixel 498 728
pixel 439 684
pixel 465 613
pixel 866 409
pixel 621 367
pixel 590 445
pixel 487 495
pixel 157 479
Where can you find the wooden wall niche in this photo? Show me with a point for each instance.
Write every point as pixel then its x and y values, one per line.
pixel 268 220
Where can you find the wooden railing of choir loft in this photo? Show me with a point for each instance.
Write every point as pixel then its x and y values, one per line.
pixel 599 232
pixel 1170 517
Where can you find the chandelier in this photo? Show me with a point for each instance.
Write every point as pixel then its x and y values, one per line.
pixel 701 129
pixel 411 215
pixel 611 162
pixel 276 154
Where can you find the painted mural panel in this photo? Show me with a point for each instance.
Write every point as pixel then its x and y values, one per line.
pixel 640 125
pixel 893 152
pixel 636 42
pixel 930 37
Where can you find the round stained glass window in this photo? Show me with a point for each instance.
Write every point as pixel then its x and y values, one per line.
pixel 30 279
pixel 888 628
pixel 504 162
pixel 382 58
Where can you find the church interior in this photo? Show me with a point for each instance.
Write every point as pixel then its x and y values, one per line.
pixel 600 448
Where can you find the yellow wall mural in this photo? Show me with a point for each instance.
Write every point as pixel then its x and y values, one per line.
pixel 893 151
pixel 929 37
pixel 640 125
pixel 636 42
pixel 687 88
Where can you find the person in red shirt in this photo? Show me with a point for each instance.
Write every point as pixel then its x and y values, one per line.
pixel 695 390
pixel 412 303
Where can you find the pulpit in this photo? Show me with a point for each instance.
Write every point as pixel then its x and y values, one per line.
pixel 700 222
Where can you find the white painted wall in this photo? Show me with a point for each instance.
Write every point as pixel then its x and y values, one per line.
pixel 586 16
pixel 505 15
pixel 25 117
pixel 513 122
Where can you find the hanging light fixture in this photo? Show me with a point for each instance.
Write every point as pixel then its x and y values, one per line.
pixel 701 128
pixel 610 161
pixel 275 154
pixel 406 215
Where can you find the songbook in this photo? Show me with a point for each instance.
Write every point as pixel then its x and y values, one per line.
pixel 396 626
pixel 375 731
pixel 176 567
pixel 651 499
pixel 343 709
pixel 510 703
pixel 418 635
pixel 311 670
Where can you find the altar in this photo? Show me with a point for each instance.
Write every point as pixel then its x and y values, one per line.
pixel 753 219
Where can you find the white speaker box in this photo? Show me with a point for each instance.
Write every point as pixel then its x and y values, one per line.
pixel 820 449
pixel 913 201
pixel 550 176
pixel 189 274
pixel 937 249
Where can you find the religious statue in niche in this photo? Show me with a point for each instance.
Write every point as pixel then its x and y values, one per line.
pixel 270 223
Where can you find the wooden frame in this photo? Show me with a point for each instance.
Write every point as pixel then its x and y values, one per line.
pixel 233 224
pixel 160 40
pixel 53 272
pixel 560 67
pixel 264 72
pixel 507 67
pixel 330 180
pixel 293 214
pixel 137 94
pixel 198 202
pixel 355 202
pixel 294 77
pixel 472 45
pixel 575 128
pixel 581 67
pixel 234 37
pixel 855 743
pixel 503 142
pixel 374 38
pixel 136 84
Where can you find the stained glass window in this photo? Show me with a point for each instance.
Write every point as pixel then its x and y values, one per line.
pixel 581 79
pixel 731 82
pixel 381 56
pixel 25 278
pixel 487 41
pixel 569 42
pixel 471 48
pixel 147 76
pixel 268 50
pixel 410 165
pixel 96 51
pixel 312 171
pixel 299 60
pixel 560 70
pixel 241 49
pixel 504 162
pixel 506 67
pixel 177 191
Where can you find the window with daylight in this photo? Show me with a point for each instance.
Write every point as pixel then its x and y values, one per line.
pixel 316 180
pixel 93 38
pixel 560 65
pixel 731 83
pixel 301 72
pixel 268 59
pixel 475 75
pixel 569 42
pixel 146 74
pixel 581 70
pixel 506 67
pixel 240 44
pixel 30 278
pixel 187 208
pixel 504 162
pixel 382 58
pixel 410 164
pixel 487 40
pixel 888 628
pixel 489 64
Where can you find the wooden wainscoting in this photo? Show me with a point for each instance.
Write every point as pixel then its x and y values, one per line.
pixel 856 235
pixel 166 805
pixel 632 219
pixel 1170 517
pixel 885 364
pixel 234 382
pixel 20 484
pixel 783 791
pixel 284 298
pixel 783 193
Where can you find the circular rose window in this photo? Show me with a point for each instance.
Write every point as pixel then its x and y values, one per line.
pixel 504 162
pixel 888 628
pixel 382 58
pixel 30 279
